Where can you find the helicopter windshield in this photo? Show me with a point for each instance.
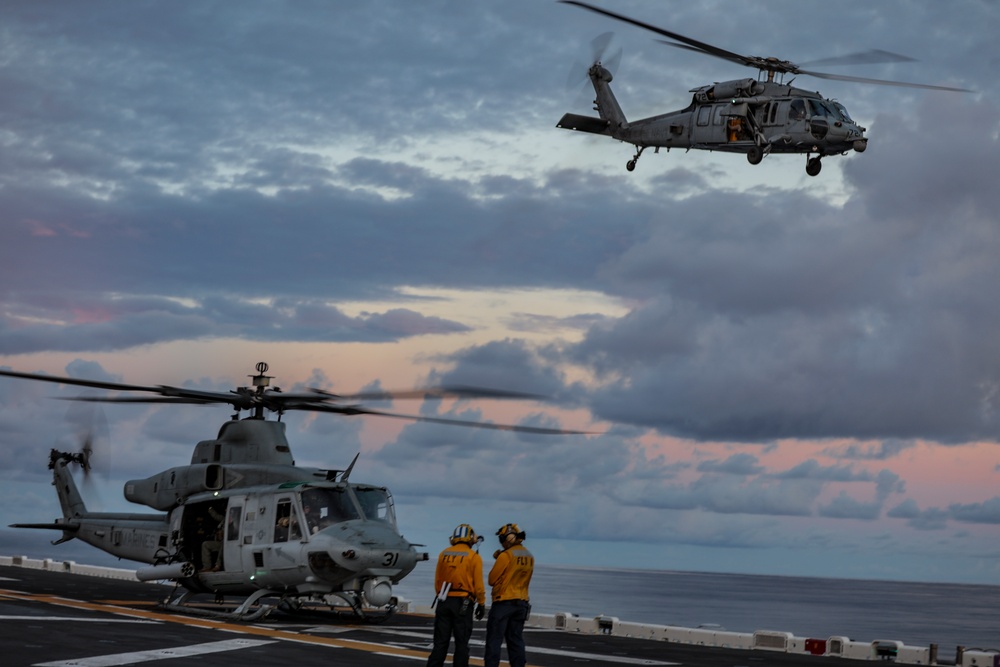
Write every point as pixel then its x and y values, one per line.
pixel 376 503
pixel 325 507
pixel 828 109
pixel 843 111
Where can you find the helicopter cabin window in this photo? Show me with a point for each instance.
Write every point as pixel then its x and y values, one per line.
pixel 326 507
pixel 233 524
pixel 797 110
pixel 720 118
pixel 376 504
pixel 769 114
pixel 286 524
pixel 704 115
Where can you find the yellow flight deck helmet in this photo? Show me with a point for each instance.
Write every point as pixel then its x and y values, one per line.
pixel 509 532
pixel 464 533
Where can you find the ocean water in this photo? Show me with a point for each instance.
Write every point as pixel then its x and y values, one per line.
pixel 917 614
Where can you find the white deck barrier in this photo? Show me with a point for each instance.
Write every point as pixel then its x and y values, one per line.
pixel 882 650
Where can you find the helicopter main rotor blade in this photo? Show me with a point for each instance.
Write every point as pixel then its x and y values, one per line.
pixel 882 82
pixel 870 57
pixel 692 44
pixel 771 64
pixel 79 383
pixel 454 391
pixel 138 399
pixel 352 410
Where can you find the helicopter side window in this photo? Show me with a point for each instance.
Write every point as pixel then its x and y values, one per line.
pixel 233 524
pixel 286 524
pixel 375 503
pixel 797 110
pixel 704 115
pixel 719 115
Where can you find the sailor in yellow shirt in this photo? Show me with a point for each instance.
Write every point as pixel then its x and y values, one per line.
pixel 458 581
pixel 509 577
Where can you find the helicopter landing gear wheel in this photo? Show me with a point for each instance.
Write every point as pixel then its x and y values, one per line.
pixel 630 165
pixel 755 155
pixel 813 166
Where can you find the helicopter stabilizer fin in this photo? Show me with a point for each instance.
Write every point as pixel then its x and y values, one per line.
pixel 572 121
pixel 68 530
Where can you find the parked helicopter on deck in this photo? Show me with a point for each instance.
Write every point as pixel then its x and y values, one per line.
pixel 756 117
pixel 242 519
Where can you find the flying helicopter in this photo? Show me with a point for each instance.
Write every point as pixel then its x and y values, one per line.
pixel 756 117
pixel 242 519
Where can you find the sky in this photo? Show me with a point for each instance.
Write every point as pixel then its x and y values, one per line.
pixel 779 374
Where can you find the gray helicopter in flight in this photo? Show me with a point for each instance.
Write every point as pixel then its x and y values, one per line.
pixel 756 117
pixel 242 519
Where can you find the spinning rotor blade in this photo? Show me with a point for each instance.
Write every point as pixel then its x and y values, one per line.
pixel 80 383
pixel 598 49
pixel 771 64
pixel 455 391
pixel 882 82
pixel 870 57
pixel 351 410
pixel 692 44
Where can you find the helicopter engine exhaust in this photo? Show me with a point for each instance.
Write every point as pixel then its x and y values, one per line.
pixel 171 571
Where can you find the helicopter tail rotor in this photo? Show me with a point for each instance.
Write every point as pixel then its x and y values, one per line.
pixel 599 55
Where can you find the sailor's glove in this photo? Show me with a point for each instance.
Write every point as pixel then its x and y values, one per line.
pixel 480 611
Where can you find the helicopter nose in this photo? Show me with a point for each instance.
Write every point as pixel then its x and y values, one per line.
pixel 375 548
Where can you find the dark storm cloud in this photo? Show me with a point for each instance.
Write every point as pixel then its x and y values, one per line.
pixel 180 174
pixel 129 322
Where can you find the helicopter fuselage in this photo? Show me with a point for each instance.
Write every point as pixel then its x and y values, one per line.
pixel 746 116
pixel 295 538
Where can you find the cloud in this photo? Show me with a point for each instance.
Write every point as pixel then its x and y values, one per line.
pixel 984 512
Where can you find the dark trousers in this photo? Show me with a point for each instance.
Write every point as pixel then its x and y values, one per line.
pixel 506 624
pixel 453 617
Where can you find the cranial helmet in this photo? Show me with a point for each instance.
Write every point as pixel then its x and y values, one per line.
pixel 464 533
pixel 510 532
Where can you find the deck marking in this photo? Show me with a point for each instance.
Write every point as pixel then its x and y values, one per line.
pixel 286 635
pixel 156 654
pixel 81 619
pixel 535 649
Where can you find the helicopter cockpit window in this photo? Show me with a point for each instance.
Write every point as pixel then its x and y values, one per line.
pixel 376 504
pixel 843 112
pixel 286 524
pixel 818 108
pixel 325 507
pixel 797 110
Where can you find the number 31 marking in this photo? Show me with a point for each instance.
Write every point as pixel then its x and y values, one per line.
pixel 390 559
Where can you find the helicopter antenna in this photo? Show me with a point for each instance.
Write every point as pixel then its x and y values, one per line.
pixel 347 473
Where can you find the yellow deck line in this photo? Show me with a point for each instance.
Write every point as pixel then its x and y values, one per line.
pixel 211 624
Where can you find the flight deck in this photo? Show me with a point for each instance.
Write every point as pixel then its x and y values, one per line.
pixel 53 617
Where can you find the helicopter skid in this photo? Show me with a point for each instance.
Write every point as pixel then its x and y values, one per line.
pixel 245 611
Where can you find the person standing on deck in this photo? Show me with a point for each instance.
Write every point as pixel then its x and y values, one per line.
pixel 509 577
pixel 458 580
